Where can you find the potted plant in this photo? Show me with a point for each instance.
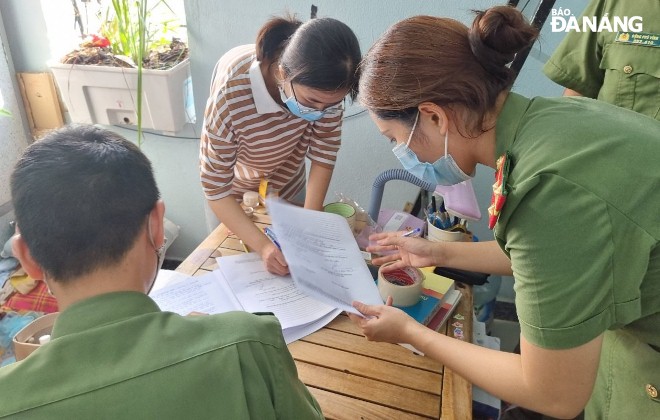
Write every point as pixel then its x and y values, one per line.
pixel 129 74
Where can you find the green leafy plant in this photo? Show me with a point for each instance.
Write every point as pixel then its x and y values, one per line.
pixel 131 30
pixel 139 34
pixel 131 33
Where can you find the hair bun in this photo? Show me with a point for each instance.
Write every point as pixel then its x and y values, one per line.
pixel 497 34
pixel 274 35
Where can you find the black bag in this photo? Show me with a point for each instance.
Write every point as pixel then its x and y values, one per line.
pixel 467 277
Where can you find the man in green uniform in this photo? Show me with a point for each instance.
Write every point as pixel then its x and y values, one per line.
pixel 618 66
pixel 90 223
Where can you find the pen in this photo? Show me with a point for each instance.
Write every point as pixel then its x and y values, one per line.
pixel 433 205
pixel 245 248
pixel 412 233
pixel 442 207
pixel 271 235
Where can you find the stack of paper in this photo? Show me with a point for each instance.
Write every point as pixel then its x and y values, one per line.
pixel 327 275
pixel 323 257
pixel 442 288
pixel 438 296
pixel 212 294
pixel 256 290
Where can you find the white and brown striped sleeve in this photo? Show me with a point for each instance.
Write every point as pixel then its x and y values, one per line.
pixel 217 154
pixel 325 141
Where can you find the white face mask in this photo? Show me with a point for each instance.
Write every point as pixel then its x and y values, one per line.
pixel 444 171
pixel 305 112
pixel 160 255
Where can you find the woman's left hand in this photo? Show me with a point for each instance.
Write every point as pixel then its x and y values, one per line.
pixel 413 252
pixel 383 322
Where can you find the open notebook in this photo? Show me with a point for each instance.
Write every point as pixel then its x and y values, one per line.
pixel 211 294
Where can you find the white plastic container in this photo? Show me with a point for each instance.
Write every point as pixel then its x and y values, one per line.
pixel 108 95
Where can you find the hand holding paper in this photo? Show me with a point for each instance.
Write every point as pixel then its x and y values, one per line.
pixel 324 259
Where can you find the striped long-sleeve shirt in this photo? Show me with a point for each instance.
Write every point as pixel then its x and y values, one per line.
pixel 247 136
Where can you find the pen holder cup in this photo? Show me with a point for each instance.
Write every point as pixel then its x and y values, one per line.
pixel 435 234
pixel 345 210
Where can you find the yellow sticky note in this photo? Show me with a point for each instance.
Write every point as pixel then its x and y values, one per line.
pixel 435 282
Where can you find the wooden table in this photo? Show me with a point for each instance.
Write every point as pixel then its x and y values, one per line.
pixel 353 378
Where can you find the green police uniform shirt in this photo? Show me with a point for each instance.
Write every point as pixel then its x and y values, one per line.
pixel 581 225
pixel 618 67
pixel 117 356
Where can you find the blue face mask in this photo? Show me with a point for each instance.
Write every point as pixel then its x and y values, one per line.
pixel 443 171
pixel 305 112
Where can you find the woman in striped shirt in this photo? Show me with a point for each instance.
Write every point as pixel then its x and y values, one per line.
pixel 272 104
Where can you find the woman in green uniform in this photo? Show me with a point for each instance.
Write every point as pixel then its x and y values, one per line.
pixel 575 215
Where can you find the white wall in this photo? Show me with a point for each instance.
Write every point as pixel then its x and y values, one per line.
pixel 364 153
pixel 13 133
pixel 216 26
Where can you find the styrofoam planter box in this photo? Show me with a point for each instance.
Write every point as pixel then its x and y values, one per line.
pixel 108 95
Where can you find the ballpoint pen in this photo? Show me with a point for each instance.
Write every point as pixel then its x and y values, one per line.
pixel 272 237
pixel 412 233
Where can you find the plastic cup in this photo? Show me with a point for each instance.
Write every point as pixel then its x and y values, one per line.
pixel 250 199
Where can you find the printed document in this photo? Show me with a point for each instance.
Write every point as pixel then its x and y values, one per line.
pixel 203 294
pixel 323 256
pixel 211 294
pixel 257 290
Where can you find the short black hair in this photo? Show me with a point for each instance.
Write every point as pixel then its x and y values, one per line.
pixel 81 195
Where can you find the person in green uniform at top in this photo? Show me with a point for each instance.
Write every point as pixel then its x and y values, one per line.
pixel 90 224
pixel 617 64
pixel 575 216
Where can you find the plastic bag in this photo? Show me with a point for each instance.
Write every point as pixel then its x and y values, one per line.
pixel 362 219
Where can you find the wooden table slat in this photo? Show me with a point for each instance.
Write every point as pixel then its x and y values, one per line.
pixel 342 407
pixel 409 400
pixel 383 351
pixel 456 390
pixel 232 243
pixel 202 253
pixel 368 367
pixel 326 358
pixel 343 323
pixel 201 272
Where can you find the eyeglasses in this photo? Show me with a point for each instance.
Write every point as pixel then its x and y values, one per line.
pixel 332 109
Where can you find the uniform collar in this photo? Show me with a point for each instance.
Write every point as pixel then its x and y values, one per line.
pixel 508 122
pixel 101 310
pixel 264 103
